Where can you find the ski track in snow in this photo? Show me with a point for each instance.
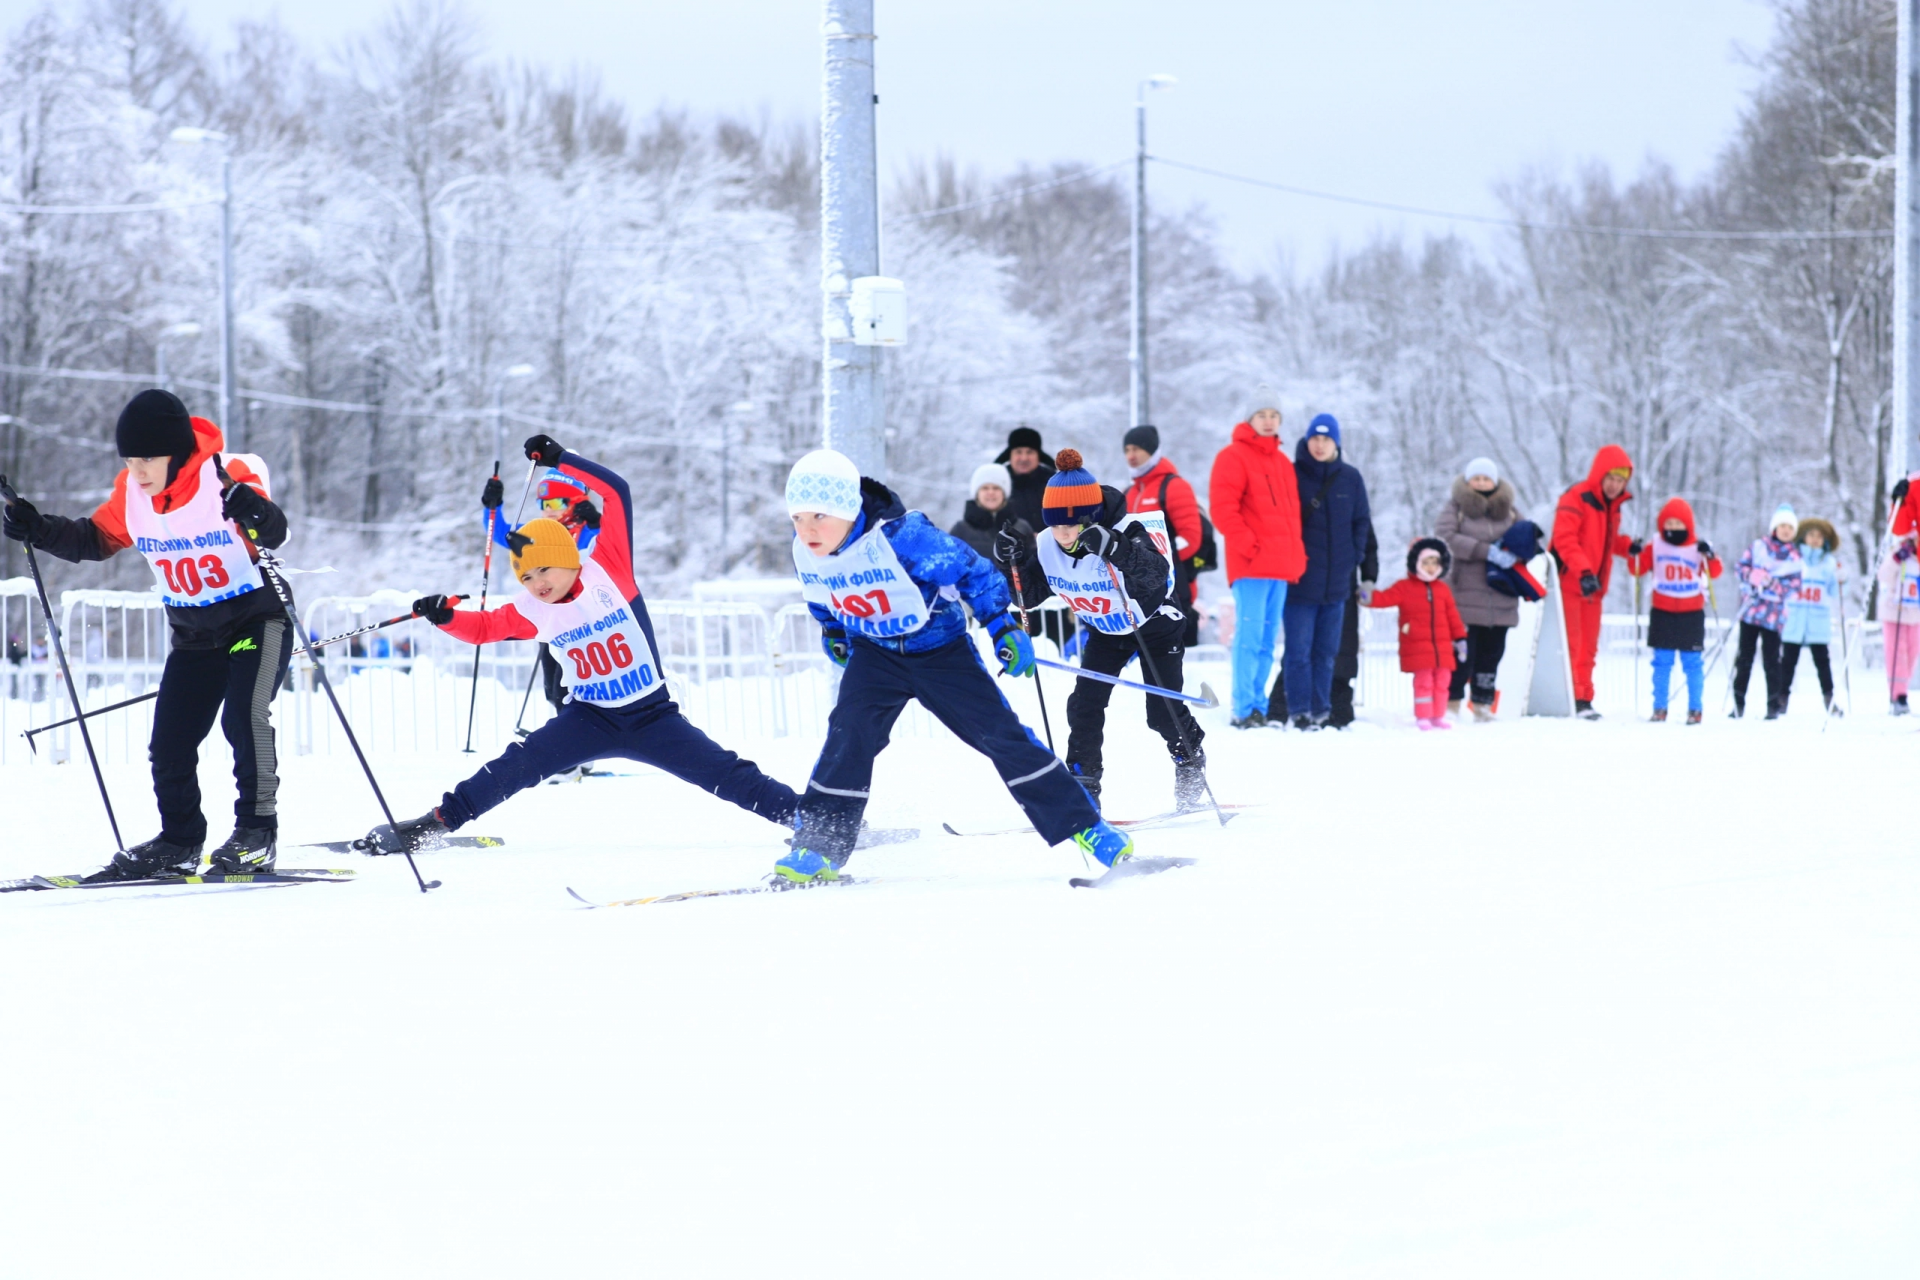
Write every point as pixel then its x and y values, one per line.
pixel 1531 999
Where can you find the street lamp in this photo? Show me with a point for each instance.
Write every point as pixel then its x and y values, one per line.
pixel 185 329
pixel 1137 352
pixel 235 429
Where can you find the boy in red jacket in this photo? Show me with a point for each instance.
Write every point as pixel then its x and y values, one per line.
pixel 1433 638
pixel 1680 564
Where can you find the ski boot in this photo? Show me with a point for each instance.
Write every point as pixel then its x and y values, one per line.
pixel 1739 708
pixel 1659 715
pixel 150 858
pixel 1107 845
pixel 1190 782
pixel 804 866
pixel 1303 723
pixel 248 851
pixel 1584 709
pixel 1695 716
pixel 1832 710
pixel 413 836
pixel 1898 707
pixel 1089 780
pixel 1255 719
pixel 1775 708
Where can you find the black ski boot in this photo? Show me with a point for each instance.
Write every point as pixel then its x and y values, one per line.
pixel 155 857
pixel 1659 715
pixel 248 851
pixel 1255 719
pixel 1090 780
pixel 1584 710
pixel 1303 723
pixel 1190 782
pixel 1739 708
pixel 1898 706
pixel 413 836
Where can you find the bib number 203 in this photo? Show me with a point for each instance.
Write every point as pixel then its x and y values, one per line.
pixel 599 659
pixel 185 575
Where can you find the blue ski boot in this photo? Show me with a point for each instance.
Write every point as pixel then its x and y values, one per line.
pixel 804 866
pixel 1107 845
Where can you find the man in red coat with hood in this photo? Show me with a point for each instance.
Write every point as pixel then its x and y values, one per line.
pixel 1586 538
pixel 1255 503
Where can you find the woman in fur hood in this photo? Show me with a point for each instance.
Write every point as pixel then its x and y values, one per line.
pixel 1480 510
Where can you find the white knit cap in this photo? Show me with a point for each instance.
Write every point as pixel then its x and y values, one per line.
pixel 1483 467
pixel 825 482
pixel 1783 514
pixel 990 473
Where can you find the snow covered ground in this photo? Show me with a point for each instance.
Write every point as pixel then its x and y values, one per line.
pixel 1534 999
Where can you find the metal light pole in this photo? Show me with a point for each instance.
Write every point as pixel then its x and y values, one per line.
pixel 853 411
pixel 234 428
pixel 1906 255
pixel 1138 411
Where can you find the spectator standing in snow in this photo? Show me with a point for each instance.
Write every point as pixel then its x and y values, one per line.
pixel 1159 486
pixel 1030 467
pixel 1433 639
pixel 1480 510
pixel 1255 502
pixel 986 508
pixel 1586 538
pixel 1334 523
pixel 1810 610
pixel 1769 573
pixel 1900 618
pixel 1346 665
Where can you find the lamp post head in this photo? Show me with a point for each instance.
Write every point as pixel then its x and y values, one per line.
pixel 1162 81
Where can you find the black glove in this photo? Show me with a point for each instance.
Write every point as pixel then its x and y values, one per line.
pixel 244 506
pixel 544 450
pixel 1014 543
pixel 1635 547
pixel 1589 583
pixel 587 514
pixel 1098 540
pixel 435 609
pixel 838 648
pixel 1899 491
pixel 1706 551
pixel 24 521
pixel 493 494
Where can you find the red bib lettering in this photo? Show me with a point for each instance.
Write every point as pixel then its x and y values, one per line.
pixel 198 556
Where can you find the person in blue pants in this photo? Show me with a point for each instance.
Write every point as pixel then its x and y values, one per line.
pixel 886 586
pixel 1334 523
pixel 1255 503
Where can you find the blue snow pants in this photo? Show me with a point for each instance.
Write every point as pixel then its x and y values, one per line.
pixel 952 684
pixel 1257 606
pixel 1313 642
pixel 1663 676
pixel 651 732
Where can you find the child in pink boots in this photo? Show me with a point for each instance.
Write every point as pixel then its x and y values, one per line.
pixel 1433 639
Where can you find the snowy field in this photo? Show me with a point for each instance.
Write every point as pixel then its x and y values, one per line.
pixel 1533 999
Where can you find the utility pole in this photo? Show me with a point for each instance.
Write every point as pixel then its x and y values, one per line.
pixel 233 427
pixel 1138 409
pixel 1906 255
pixel 853 409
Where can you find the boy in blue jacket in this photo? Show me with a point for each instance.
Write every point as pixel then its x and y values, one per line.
pixel 886 586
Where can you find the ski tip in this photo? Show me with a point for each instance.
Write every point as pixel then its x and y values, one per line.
pixel 1206 691
pixel 577 898
pixel 948 828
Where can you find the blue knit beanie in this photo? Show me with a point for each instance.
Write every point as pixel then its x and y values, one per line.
pixel 1324 424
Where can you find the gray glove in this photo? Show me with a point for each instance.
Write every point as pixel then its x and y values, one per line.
pixel 1459 650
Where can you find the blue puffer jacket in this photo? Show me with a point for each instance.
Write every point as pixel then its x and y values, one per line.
pixel 1334 532
pixel 941 565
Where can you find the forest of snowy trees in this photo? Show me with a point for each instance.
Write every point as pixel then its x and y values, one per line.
pixel 413 218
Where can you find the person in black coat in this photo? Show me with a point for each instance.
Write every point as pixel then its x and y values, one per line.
pixel 1031 468
pixel 1334 524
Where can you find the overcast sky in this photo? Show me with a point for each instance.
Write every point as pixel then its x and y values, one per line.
pixel 1409 101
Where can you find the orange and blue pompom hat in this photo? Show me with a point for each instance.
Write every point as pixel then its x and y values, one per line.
pixel 1073 496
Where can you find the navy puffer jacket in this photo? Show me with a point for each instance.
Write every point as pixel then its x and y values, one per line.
pixel 1334 522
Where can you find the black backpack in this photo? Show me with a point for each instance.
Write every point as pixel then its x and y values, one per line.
pixel 1206 558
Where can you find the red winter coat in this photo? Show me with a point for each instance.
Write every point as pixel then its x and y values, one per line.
pixel 1182 509
pixel 1429 622
pixel 1586 527
pixel 1255 504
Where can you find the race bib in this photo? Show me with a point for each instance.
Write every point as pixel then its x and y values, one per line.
pixel 864 586
pixel 198 556
pixel 1677 571
pixel 1087 586
pixel 603 653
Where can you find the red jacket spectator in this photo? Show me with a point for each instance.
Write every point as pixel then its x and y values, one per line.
pixel 1429 620
pixel 1182 509
pixel 1255 504
pixel 1586 526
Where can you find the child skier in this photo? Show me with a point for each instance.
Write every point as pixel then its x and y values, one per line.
pixel 1900 618
pixel 1680 564
pixel 228 633
pixel 1769 576
pixel 1433 638
pixel 1092 537
pixel 886 587
pixel 1809 622
pixel 589 615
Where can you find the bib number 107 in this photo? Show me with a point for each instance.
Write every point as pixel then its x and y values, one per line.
pixel 599 659
pixel 184 576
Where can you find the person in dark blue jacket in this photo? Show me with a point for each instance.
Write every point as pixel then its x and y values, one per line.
pixel 1334 523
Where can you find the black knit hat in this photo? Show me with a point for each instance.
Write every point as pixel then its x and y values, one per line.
pixel 1143 437
pixel 1024 437
pixel 154 425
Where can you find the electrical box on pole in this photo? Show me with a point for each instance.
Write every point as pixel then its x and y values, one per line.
pixel 878 309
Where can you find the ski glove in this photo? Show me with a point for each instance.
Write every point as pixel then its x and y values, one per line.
pixel 1014 543
pixel 1012 645
pixel 1098 540
pixel 436 609
pixel 1901 553
pixel 1899 491
pixel 587 514
pixel 1502 557
pixel 244 506
pixel 1589 583
pixel 24 521
pixel 493 494
pixel 544 450
pixel 1460 651
pixel 838 647
pixel 1635 547
pixel 1706 552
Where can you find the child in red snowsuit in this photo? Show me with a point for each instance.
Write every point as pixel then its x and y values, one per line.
pixel 1433 639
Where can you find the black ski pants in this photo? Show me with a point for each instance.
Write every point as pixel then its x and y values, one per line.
pixel 952 684
pixel 1790 662
pixel 1485 647
pixel 1768 643
pixel 1087 705
pixel 237 682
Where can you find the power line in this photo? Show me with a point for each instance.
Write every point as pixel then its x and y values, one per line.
pixel 1523 224
pixel 159 206
pixel 1005 196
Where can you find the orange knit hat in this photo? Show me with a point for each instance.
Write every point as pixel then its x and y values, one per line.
pixel 540 544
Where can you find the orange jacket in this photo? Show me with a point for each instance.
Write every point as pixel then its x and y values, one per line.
pixel 1586 527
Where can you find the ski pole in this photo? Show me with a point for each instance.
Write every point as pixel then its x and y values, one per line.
pixel 1039 690
pixel 486 583
pixel 1146 661
pixel 66 672
pixel 151 694
pixel 1209 699
pixel 526 698
pixel 1636 644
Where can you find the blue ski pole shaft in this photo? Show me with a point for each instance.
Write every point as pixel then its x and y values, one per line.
pixel 1153 689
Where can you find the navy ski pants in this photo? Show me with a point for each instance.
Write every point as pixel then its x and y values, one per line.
pixel 237 682
pixel 651 732
pixel 953 684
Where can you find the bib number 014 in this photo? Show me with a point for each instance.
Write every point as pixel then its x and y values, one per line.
pixel 184 575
